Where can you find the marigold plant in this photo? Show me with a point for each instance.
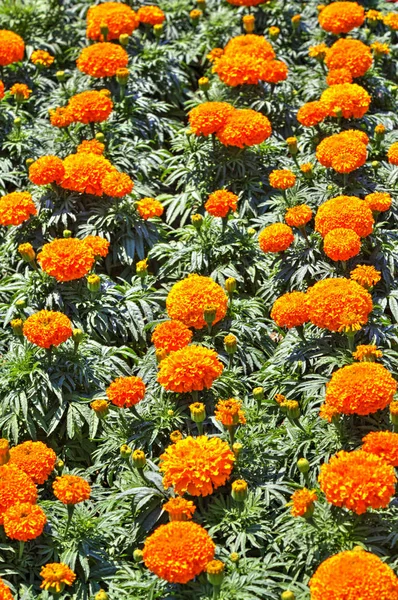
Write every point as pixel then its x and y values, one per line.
pixel 171 335
pixel 302 502
pixel 298 216
pixel 71 489
pixel 91 147
pixel 189 369
pixel 209 117
pixel 85 173
pixel 349 54
pixel 367 352
pixel 344 212
pixel 55 576
pixel 90 107
pixel 276 238
pixel 229 412
pixel 151 15
pixel 126 391
pixel 98 245
pixel 244 127
pixel 221 202
pixel 149 208
pixel 344 152
pixel 392 154
pixel 117 184
pixel 119 19
pixel 47 169
pixel 366 275
pixel 35 459
pixel 282 179
pixel 42 58
pixel 102 59
pixel 290 310
pixel 341 17
pixel 341 244
pixel 350 99
pixel 338 76
pixel 24 521
pixel 179 509
pixel 378 201
pixel 312 113
pixel 383 444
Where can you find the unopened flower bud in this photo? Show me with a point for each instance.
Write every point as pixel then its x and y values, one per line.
pixel 248 23
pixel 296 21
pixel 142 268
pixel 100 407
pixel 376 164
pixel 292 145
pixel 288 595
pixel 77 335
pixel 307 170
pixel 124 39
pixel 209 315
pixel 380 131
pixel 198 412
pixel 17 120
pixel 101 595
pixel 27 253
pixel 230 285
pixel 175 436
pixel 122 76
pixel 100 137
pixel 201 4
pixel 195 15
pixel 158 29
pixel 138 459
pixel 60 75
pixel 21 303
pixel 234 557
pixel 273 33
pixel 239 490
pixel 215 572
pixel 338 113
pixel 251 231
pixel 4 451
pixel 94 283
pixel 230 344
pixel 161 354
pixel 292 408
pixel 197 221
pixel 125 451
pixel 67 233
pixel 29 161
pixel 204 84
pixel 137 555
pixel 59 465
pixel 237 448
pixel 170 413
pixel 394 412
pixel 258 394
pixel 104 29
pixel 303 465
pixel 17 327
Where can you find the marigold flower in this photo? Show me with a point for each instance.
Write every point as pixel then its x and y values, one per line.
pixel 118 18
pixel 46 169
pixel 351 99
pixel 373 15
pixel 55 576
pixel 251 45
pixel 42 58
pixel 319 51
pixel 391 20
pixel 306 169
pixel 100 407
pixel 12 47
pixel 344 152
pixel 367 353
pixel 361 388
pixel 382 443
pixel 91 147
pixel 195 14
pixel 329 302
pixel 66 259
pixel 350 54
pixel 149 208
pixel 102 59
pixel 4 451
pixel 196 466
pixel 244 127
pixel 98 245
pixel 354 572
pixel 347 212
pixel 5 592
pixel 302 502
pixel 151 15
pixel 246 2
pixel 15 486
pixel 380 49
pixel 71 489
pixel 298 216
pixel 311 113
pixel 358 480
pixel 85 173
pixel 90 107
pixel 328 413
pixel 341 244
pixel 273 33
pixel 192 368
pixel 215 54
pixel 20 91
pixel 341 17
pixel 392 154
pixel 338 76
pixel 229 412
pixel 117 184
pixel 47 328
pixel 1 97
pixel 24 521
pixel 34 458
pixel 61 117
pixel 179 509
pixel 15 208
pixel 220 202
pixel 244 68
pixel 175 436
pixel 290 310
pixel 282 179
pixel 178 551
pixel 188 299
pixel 366 275
pixel 171 335
pixel 276 238
pixel 209 117
pixel 379 201
pixel 126 391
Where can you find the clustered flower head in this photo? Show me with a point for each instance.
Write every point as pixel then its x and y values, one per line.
pixel 378 201
pixel 20 91
pixel 15 208
pixel 117 184
pixel 117 17
pixel 149 208
pixel 302 502
pixel 350 54
pixel 338 76
pixel 341 17
pixel 344 152
pixel 282 179
pixel 290 310
pixel 42 58
pixel 66 259
pixel 276 238
pixel 5 592
pixel 12 47
pixel 391 20
pixel 47 328
pixel 71 489
pixel 350 99
pixel 171 335
pixel 102 59
pixel 24 521
pixel 89 173
pixel 221 202
pixel 35 459
pixel 151 15
pixel 189 369
pixel 55 576
pixel 15 487
pixel 298 216
pixel 365 275
pixel 367 353
pixel 341 244
pixel 383 444
pixel 47 169
pixel 229 412
pixel 312 113
pixel 91 147
pixel 126 391
pixel 98 245
pixel 179 509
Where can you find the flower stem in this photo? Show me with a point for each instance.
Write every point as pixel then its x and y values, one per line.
pixel 21 549
pixel 71 510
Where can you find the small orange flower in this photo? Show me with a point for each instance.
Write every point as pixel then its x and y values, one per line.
pixel 380 49
pixel 391 20
pixel 379 201
pixel 229 412
pixel 1 96
pixel 117 184
pixel 66 259
pixel 35 459
pixel 20 91
pixel 71 489
pixel 102 59
pixel 302 502
pixel 15 208
pixel 349 54
pixel 12 47
pixel 91 147
pixel 383 444
pixel 98 245
pixel 192 368
pixel 220 202
pixel 171 335
pixel 290 310
pixel 215 54
pixel 116 16
pixel 61 117
pixel 85 173
pixel 341 244
pixel 328 412
pixel 319 51
pixel 15 486
pixel 24 521
pixel 341 17
pixel 276 238
pixel 298 216
pixel 55 576
pixel 47 169
pixel 209 117
pixel 126 391
pixel 42 58
pixel 244 127
pixel 392 154
pixel 282 179
pixel 367 353
pixel 311 113
pixel 366 275
pixel 47 328
pixel 346 212
pixel 175 436
pixel 149 208
pixel 179 509
pixel 151 15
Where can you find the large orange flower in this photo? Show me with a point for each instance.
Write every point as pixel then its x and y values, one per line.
pixel 342 75
pixel 344 152
pixel 12 47
pixel 116 16
pixel 341 244
pixel 251 45
pixel 102 59
pixel 341 17
pixel 171 335
pixel 5 592
pixel 126 391
pixel 46 169
pixel 90 107
pixel 276 238
pixel 61 117
pixel 244 127
pixel 55 576
pixel 196 466
pixel 47 328
pixel 311 113
pixel 188 299
pixel 151 15
pixel 290 310
pixel 220 202
pixel 15 208
pixel 349 54
pixel 357 481
pixel 347 212
pixel 333 303
pixel 85 173
pixel 71 489
pixel 15 486
pixel 298 216
pixel 66 259
pixel 35 459
pixel 178 551
pixel 192 368
pixel 24 521
pixel 209 117
pixel 91 147
pixel 383 444
pixel 240 69
pixel 351 99
pixel 302 502
pixel 361 388
pixel 149 208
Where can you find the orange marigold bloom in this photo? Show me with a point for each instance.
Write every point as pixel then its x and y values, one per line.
pixel 71 489
pixel 328 413
pixel 356 574
pixel 117 184
pixel 298 216
pixel 341 244
pixel 383 444
pixel 12 47
pixel 85 173
pixel 347 212
pixel 391 20
pixel 351 99
pixel 302 502
pixel 91 147
pixel 90 107
pixel 35 459
pixel 311 113
pixel 330 301
pixel 15 486
pixel 178 551
pixel 188 299
pixel 5 592
pixel 357 481
pixel 244 127
pixel 336 76
pixel 240 69
pixel 151 15
pixel 251 45
pixel 361 388
pixel 215 54
pixel 179 509
pixel 274 71
pixel 380 49
pixel 171 335
pixel 15 208
pixel 47 328
pixel 229 412
pixel 276 238
pixel 319 51
pixel 392 154
pixel 149 208
pixel 116 16
pixel 209 117
pixel 61 117
pixel 55 576
pixel 379 201
pixel 290 310
pixel 344 152
pixel 1 97
pixel 196 466
pixel 341 17
pixel 66 259
pixel 4 451
pixel 42 58
pixel 20 91
pixel 246 2
pixel 24 521
pixel 351 54
pixel 98 245
pixel 189 369
pixel 367 353
pixel 282 179
pixel 102 59
pixel 220 202
pixel 126 391
pixel 46 169
pixel 366 275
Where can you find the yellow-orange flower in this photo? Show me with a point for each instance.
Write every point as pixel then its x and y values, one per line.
pixel 383 444
pixel 46 169
pixel 252 45
pixel 171 335
pixel 90 107
pixel 85 173
pixel 5 592
pixel 244 127
pixel 71 489
pixel 392 154
pixel 47 328
pixel 341 17
pixel 151 15
pixel 290 310
pixel 15 486
pixel 215 54
pixel 365 275
pixel 356 574
pixel 42 58
pixel 117 184
pixel 298 216
pixel 391 20
pixel 116 16
pixel 1 97
pixel 229 412
pixel 12 47
pixel 347 212
pixel 341 75
pixel 350 54
pixel 98 245
pixel 341 244
pixel 220 202
pixel 24 521
pixel 66 259
pixel 188 299
pixel 311 113
pixel 380 49
pixel 319 51
pixel 368 352
pixel 4 451
pixel 276 238
pixel 55 576
pixel 126 391
pixel 245 68
pixel 357 481
pixel 179 509
pixel 344 152
pixel 328 412
pixel 102 59
pixel 189 369
pixel 20 91
pixel 379 201
pixel 35 459
pixel 282 179
pixel 61 117
pixel 350 99
pixel 149 208
pixel 209 117
pixel 196 466
pixel 15 208
pixel 91 147
pixel 178 551
pixel 361 388
pixel 302 502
